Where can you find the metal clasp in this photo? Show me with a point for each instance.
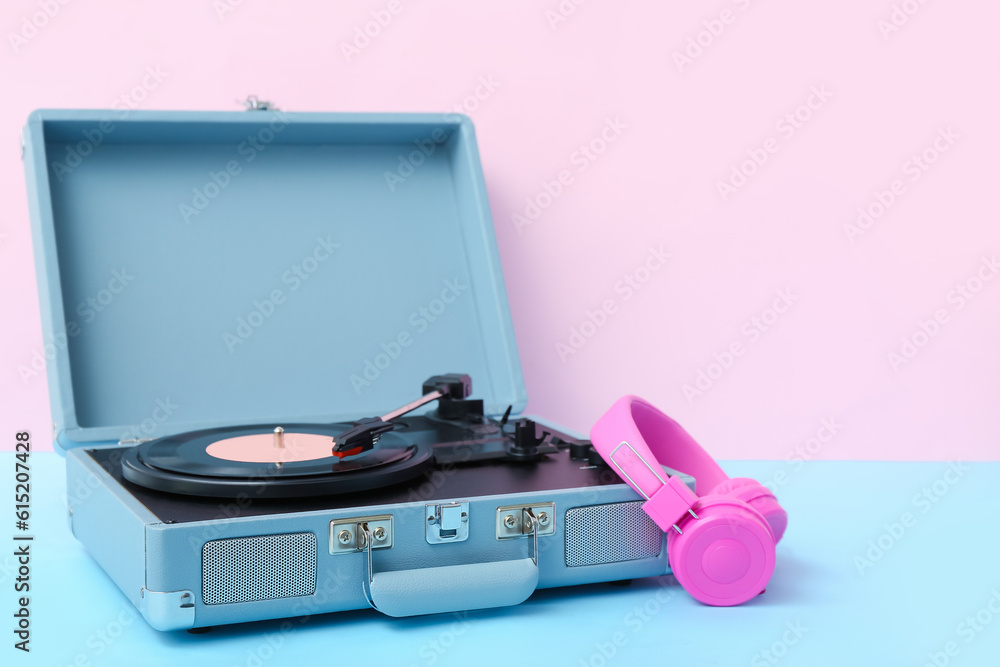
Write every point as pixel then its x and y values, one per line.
pixel 253 103
pixel 349 536
pixel 513 521
pixel 447 522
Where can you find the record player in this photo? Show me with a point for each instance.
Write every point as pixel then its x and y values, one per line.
pixel 253 317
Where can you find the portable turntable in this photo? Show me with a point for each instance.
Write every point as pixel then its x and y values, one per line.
pixel 258 421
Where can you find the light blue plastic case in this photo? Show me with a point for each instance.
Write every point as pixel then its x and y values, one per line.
pixel 202 270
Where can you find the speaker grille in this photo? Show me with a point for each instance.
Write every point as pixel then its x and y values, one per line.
pixel 265 567
pixel 610 533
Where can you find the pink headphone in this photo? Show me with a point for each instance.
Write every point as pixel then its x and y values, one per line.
pixel 720 542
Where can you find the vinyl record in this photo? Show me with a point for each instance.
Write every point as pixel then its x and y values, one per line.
pixel 232 462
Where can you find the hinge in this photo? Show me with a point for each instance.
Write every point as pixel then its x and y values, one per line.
pixel 253 103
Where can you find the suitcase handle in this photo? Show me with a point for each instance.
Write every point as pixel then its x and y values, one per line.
pixel 437 590
pixel 450 588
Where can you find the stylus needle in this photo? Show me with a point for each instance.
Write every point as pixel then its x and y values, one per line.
pixel 365 433
pixel 361 437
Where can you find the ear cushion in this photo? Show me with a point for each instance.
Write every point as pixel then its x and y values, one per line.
pixel 758 497
pixel 725 556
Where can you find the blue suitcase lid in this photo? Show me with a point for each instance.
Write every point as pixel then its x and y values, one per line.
pixel 209 269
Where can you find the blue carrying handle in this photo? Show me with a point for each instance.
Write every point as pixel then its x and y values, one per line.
pixel 436 590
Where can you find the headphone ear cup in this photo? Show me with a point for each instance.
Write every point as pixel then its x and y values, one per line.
pixel 758 497
pixel 725 556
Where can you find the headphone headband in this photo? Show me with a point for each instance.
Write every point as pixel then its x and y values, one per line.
pixel 636 438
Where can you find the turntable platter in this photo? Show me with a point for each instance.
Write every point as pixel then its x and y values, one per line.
pixel 233 462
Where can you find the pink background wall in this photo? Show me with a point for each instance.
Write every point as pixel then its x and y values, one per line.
pixel 881 94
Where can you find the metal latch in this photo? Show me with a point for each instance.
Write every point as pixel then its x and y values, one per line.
pixel 447 522
pixel 348 536
pixel 253 103
pixel 516 520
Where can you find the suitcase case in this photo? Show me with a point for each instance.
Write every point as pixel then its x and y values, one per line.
pixel 221 270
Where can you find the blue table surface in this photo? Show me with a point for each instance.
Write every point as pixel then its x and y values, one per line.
pixel 882 564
